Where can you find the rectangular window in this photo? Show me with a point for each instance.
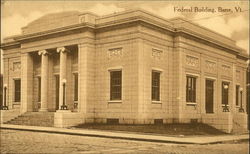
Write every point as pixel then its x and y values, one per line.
pixel 39 89
pixel 17 95
pixel 237 95
pixel 116 85
pixel 191 89
pixel 76 87
pixel 155 86
pixel 225 88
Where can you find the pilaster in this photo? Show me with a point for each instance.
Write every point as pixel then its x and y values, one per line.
pixel 141 100
pixel 26 82
pixel 82 75
pixel 178 96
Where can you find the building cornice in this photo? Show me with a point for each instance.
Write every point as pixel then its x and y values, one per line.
pixel 10 45
pixel 243 56
pixel 201 38
pixel 54 31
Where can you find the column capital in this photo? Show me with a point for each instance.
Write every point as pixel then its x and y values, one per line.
pixel 62 49
pixel 42 52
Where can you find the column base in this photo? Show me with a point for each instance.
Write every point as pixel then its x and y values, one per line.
pixel 64 107
pixel 4 108
pixel 43 110
pixel 241 109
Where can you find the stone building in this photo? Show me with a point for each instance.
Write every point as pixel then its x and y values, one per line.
pixel 130 67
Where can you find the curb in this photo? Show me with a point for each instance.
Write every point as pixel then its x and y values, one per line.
pixel 129 136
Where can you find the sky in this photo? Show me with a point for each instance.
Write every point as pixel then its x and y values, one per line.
pixel 235 25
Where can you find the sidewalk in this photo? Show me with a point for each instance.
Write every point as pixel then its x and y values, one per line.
pixel 131 136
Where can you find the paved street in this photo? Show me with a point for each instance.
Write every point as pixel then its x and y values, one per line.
pixel 13 141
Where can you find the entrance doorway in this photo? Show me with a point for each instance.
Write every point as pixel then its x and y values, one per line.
pixel 57 79
pixel 209 96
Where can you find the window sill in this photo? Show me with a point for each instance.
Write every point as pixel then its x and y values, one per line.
pixel 115 101
pixel 156 102
pixel 191 103
pixel 237 106
pixel 209 112
pixel 14 103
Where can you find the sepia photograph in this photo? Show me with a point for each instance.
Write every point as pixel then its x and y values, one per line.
pixel 124 77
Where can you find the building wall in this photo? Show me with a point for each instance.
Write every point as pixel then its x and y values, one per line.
pixel 155 54
pixel 207 62
pixel 106 61
pixel 12 71
pixel 137 49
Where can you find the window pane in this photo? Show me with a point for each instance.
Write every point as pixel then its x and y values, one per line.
pixel 156 86
pixel 115 85
pixel 191 89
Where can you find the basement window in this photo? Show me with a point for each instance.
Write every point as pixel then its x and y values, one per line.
pixel 112 121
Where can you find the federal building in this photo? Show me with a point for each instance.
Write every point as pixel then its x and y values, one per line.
pixel 130 67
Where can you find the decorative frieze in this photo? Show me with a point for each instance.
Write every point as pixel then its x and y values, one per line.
pixel 237 75
pixel 156 53
pixel 210 66
pixel 114 53
pixel 192 61
pixel 225 69
pixel 16 66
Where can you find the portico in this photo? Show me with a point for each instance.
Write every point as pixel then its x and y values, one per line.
pixel 52 68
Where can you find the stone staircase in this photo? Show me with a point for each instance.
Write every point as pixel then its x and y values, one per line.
pixel 7 115
pixel 45 119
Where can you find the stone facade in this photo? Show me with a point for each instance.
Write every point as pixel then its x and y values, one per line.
pixel 56 47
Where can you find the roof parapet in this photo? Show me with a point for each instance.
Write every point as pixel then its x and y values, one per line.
pixel 180 23
pixel 87 17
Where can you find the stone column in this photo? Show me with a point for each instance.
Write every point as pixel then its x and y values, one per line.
pixel 63 72
pixel 44 80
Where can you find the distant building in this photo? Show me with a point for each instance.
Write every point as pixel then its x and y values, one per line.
pixel 130 67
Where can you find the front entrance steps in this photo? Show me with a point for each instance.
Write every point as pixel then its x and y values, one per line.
pixel 7 115
pixel 45 119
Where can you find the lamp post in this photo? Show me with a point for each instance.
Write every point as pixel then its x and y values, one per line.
pixel 225 108
pixel 64 106
pixel 5 107
pixel 241 108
